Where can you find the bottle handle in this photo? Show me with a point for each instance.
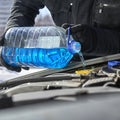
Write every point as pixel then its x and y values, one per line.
pixel 75 47
pixel 69 40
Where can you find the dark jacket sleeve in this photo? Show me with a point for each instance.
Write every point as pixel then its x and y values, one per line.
pixel 23 13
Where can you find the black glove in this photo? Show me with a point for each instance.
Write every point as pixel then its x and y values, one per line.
pixel 3 63
pixel 86 35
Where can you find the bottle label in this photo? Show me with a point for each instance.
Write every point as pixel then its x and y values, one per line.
pixel 48 42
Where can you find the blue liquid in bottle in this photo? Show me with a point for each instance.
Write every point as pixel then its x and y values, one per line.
pixel 37 57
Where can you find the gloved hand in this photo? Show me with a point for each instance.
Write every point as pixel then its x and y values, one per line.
pixel 2 62
pixel 86 35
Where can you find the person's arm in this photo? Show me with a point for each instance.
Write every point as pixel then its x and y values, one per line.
pixel 23 13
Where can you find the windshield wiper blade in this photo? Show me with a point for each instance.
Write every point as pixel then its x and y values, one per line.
pixel 59 77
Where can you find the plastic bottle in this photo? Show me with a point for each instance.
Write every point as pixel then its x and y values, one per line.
pixel 45 46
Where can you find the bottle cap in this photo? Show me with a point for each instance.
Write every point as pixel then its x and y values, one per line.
pixel 74 47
